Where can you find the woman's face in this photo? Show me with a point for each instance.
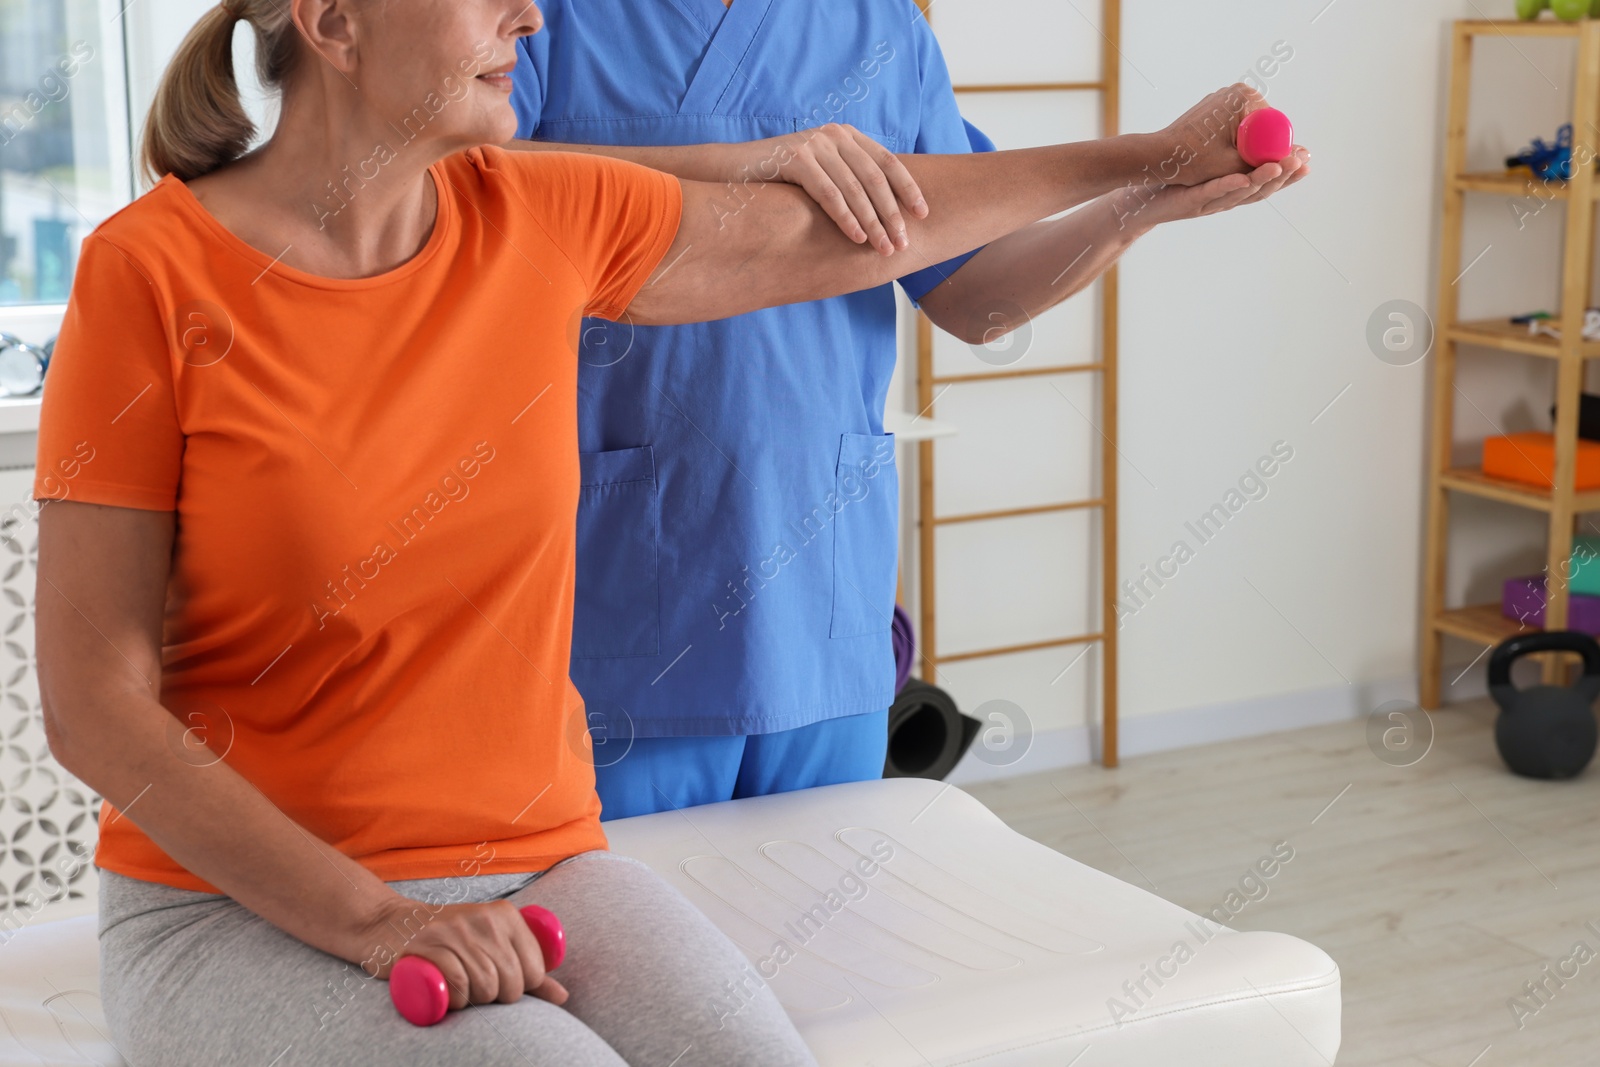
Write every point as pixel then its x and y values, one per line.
pixel 439 71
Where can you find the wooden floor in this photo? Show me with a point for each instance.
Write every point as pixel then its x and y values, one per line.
pixel 1440 888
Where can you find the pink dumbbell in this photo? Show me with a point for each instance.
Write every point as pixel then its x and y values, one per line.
pixel 419 991
pixel 1265 136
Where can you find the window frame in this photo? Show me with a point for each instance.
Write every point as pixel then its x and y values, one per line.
pixel 37 323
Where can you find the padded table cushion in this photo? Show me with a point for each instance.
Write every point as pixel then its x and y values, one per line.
pixel 899 922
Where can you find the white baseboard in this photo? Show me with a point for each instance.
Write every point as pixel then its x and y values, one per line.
pixel 1074 746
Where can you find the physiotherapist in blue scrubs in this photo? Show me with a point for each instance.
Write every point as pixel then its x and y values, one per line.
pixel 738 525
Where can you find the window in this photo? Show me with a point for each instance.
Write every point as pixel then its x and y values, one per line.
pixel 64 161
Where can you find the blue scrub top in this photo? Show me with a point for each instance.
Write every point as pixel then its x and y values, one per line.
pixel 738 525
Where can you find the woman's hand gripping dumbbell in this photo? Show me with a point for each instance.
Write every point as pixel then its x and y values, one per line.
pixel 1203 182
pixel 472 946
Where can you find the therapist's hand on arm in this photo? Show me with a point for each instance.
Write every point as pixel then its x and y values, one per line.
pixel 102 591
pixel 1027 273
pixel 861 185
pixel 781 248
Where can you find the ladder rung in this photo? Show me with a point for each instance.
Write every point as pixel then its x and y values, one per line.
pixel 1031 372
pixel 1060 642
pixel 1011 513
pixel 1033 87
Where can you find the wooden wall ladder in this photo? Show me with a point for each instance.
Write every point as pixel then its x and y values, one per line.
pixel 1105 501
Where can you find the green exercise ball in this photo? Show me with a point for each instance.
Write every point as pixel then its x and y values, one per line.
pixel 1570 10
pixel 1527 10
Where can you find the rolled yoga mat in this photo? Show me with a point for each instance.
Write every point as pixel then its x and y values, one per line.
pixel 927 734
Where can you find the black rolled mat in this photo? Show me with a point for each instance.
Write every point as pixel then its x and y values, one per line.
pixel 928 735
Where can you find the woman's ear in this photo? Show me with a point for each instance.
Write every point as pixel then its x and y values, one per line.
pixel 330 30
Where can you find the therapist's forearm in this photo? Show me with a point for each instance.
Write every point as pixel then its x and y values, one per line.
pixel 780 248
pixel 693 163
pixel 1025 274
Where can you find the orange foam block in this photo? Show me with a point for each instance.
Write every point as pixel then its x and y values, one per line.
pixel 1531 458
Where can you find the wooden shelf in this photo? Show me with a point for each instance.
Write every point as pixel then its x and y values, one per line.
pixel 1511 183
pixel 1482 623
pixel 1473 481
pixel 1540 27
pixel 1563 503
pixel 1506 336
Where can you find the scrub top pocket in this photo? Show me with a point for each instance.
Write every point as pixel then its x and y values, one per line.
pixel 866 535
pixel 617 609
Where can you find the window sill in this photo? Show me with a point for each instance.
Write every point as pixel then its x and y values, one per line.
pixel 19 414
pixel 34 323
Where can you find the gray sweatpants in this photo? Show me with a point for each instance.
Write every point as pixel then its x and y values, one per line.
pixel 196 978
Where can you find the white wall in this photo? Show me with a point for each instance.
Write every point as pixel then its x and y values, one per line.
pixel 154 32
pixel 1237 332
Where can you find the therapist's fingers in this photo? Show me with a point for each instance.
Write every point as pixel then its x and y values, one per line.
pixel 904 186
pixel 875 171
pixel 806 171
pixel 856 198
pixel 858 183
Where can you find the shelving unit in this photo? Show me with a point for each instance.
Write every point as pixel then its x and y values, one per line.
pixel 1105 365
pixel 1483 623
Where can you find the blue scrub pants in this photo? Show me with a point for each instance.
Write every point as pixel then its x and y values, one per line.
pixel 666 773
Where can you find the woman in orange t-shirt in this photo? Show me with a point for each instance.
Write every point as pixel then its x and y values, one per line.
pixel 306 572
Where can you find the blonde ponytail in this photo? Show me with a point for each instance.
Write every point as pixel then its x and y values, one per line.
pixel 197 122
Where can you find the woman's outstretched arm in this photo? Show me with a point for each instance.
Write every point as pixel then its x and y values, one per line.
pixel 778 247
pixel 1027 273
pixel 859 183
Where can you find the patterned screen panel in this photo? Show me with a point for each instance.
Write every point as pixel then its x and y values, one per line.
pixel 48 818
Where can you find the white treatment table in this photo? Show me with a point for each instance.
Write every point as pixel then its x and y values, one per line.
pixel 969 945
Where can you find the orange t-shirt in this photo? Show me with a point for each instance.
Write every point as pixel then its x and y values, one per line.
pixel 376 481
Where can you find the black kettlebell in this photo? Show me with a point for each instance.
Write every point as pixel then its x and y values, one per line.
pixel 1546 731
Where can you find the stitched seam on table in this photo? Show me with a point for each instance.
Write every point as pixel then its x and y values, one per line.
pixel 1160 1014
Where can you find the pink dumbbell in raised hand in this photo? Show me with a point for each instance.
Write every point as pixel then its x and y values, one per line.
pixel 1265 136
pixel 419 991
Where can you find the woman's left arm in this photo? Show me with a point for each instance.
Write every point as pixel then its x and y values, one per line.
pixel 1025 274
pixel 858 182
pixel 781 248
